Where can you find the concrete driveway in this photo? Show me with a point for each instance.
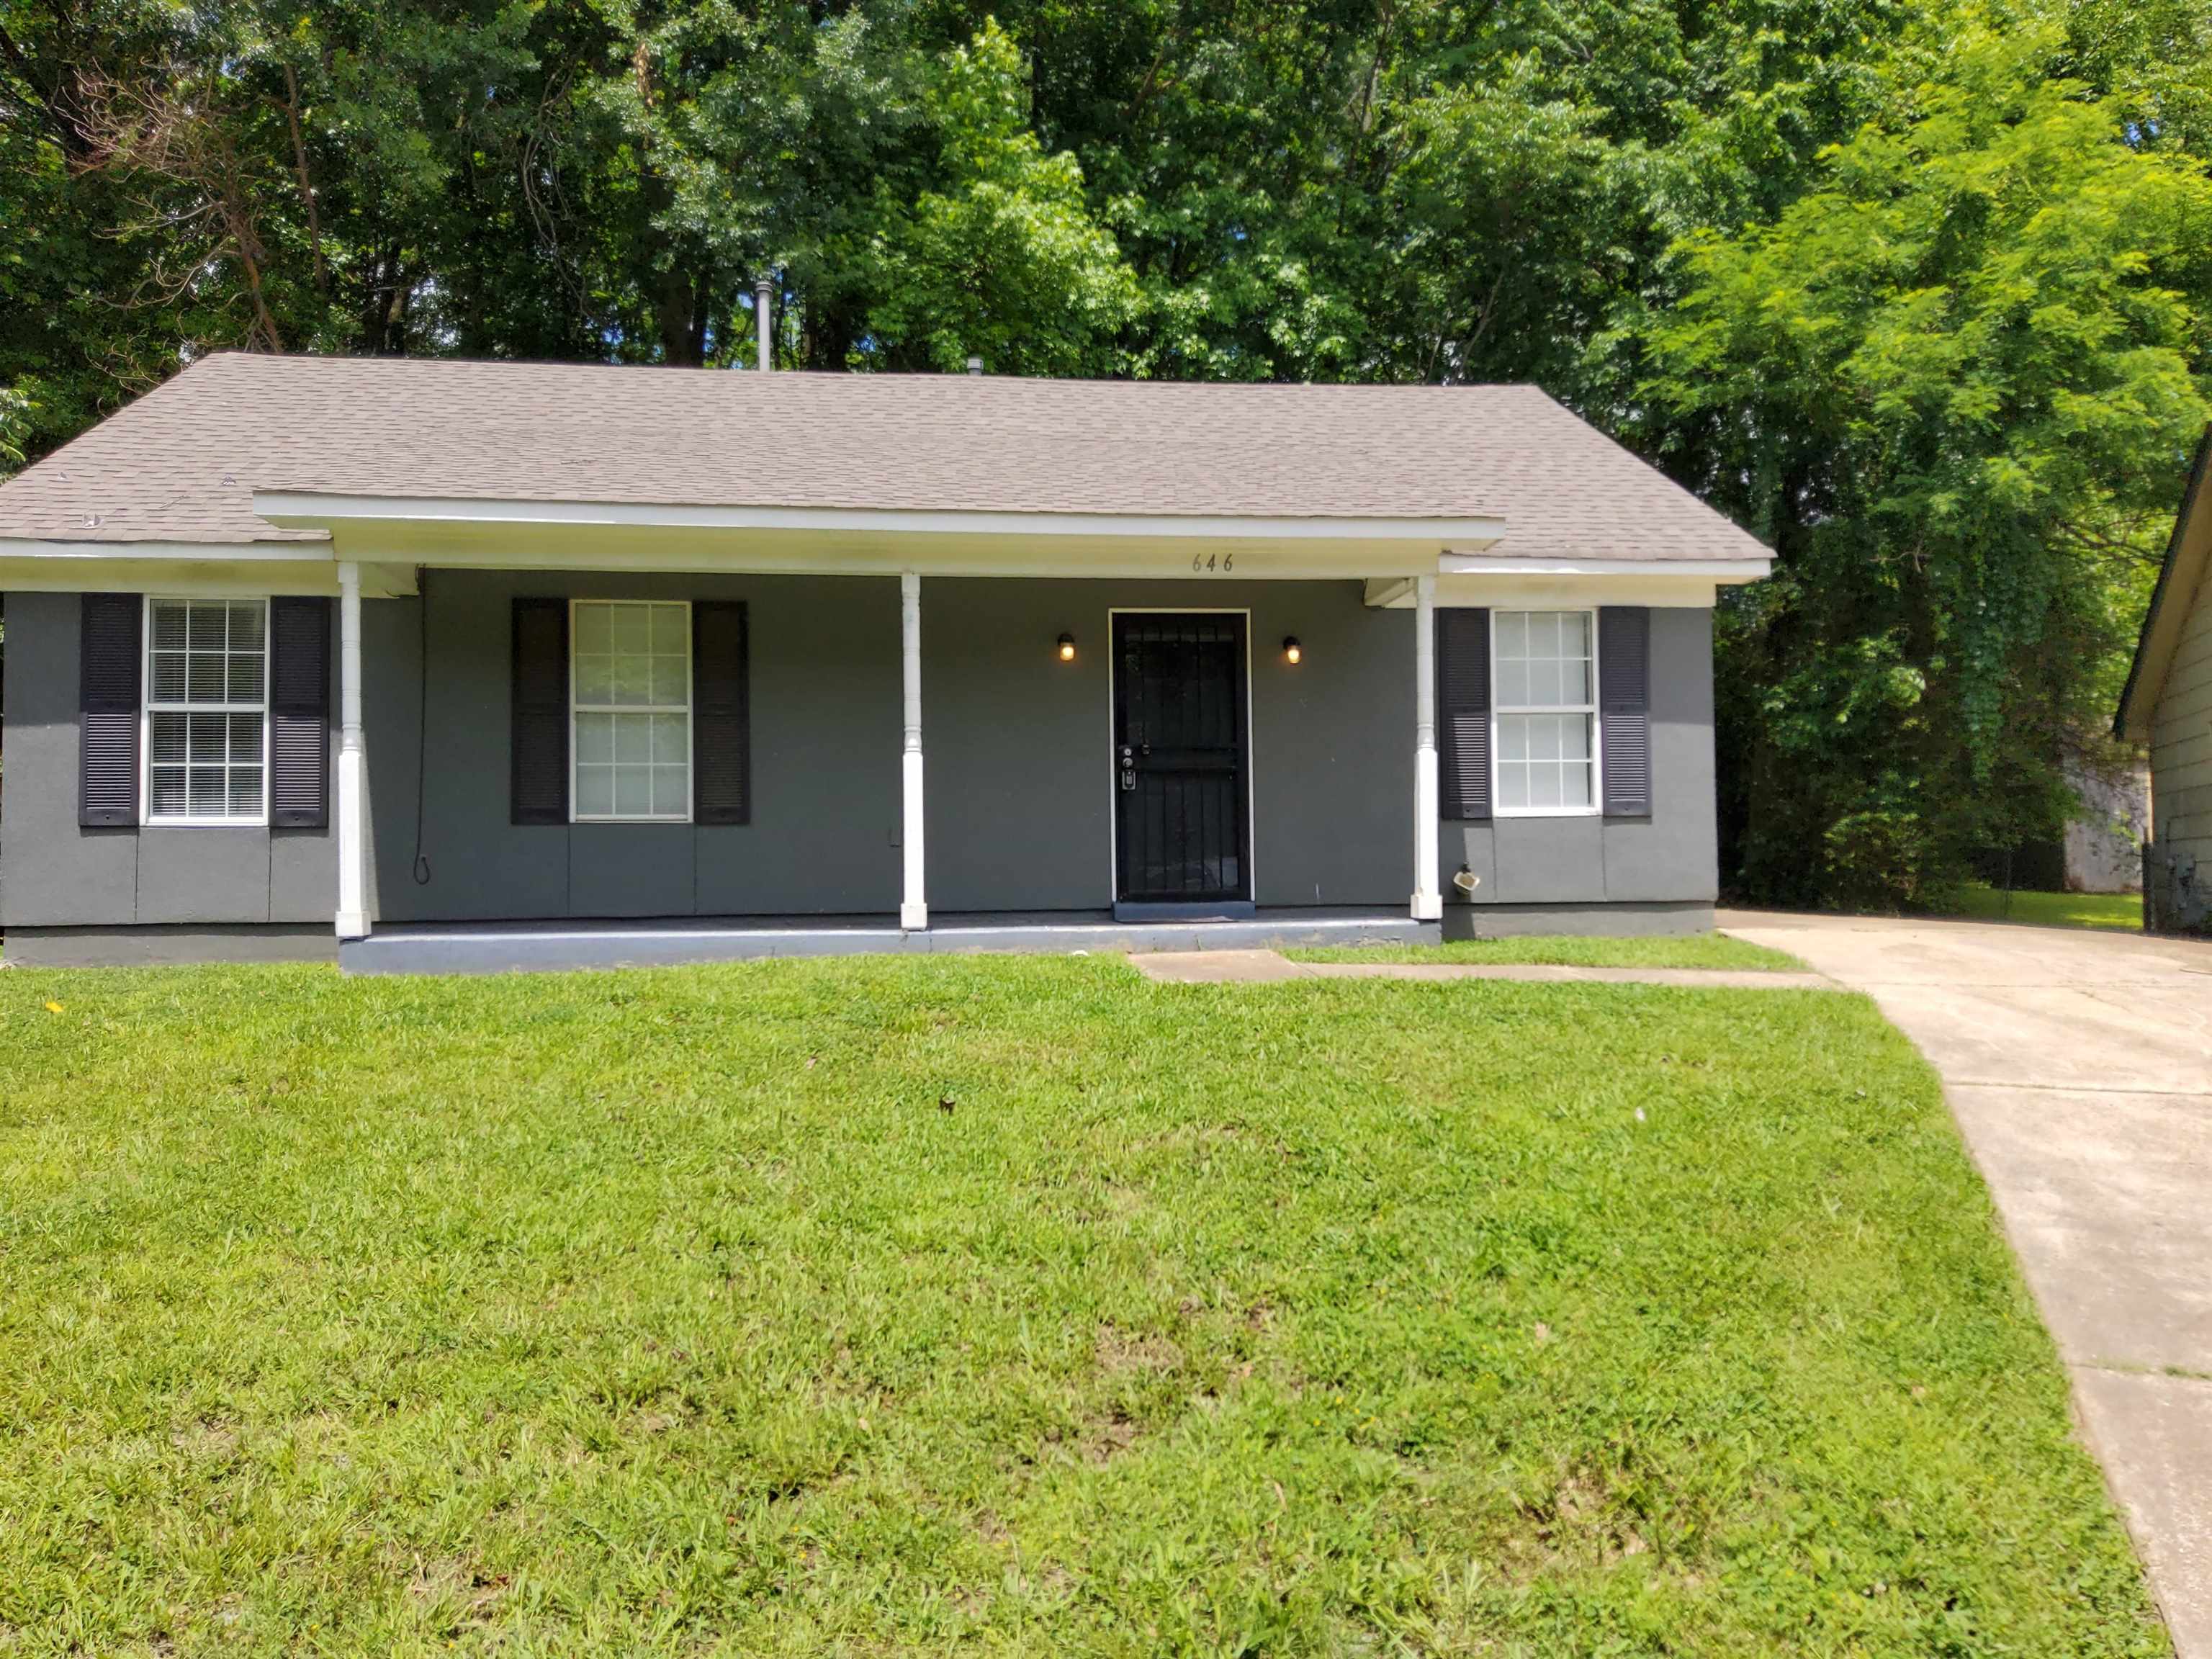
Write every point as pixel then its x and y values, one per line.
pixel 2079 1066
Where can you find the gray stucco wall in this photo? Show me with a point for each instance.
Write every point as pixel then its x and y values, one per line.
pixel 825 736
pixel 53 873
pixel 1019 781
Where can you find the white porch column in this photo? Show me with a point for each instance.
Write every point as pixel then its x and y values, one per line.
pixel 1428 902
pixel 914 909
pixel 353 839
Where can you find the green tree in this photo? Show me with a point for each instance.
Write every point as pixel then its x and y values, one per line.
pixel 1954 382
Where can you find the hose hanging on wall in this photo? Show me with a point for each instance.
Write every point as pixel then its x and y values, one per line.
pixel 421 717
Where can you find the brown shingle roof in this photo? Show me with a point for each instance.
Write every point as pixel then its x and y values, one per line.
pixel 181 464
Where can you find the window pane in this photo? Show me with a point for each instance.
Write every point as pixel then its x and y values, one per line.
pixel 168 791
pixel 1512 682
pixel 206 738
pixel 1513 736
pixel 245 627
pixel 169 675
pixel 594 677
pixel 632 630
pixel 672 682
pixel 670 635
pixel 595 739
pixel 1543 785
pixel 168 739
pixel 245 676
pixel 631 679
pixel 246 791
pixel 1574 681
pixel 595 792
pixel 168 627
pixel 205 797
pixel 205 628
pixel 1543 738
pixel 1574 633
pixel 1576 785
pixel 204 675
pixel 1513 784
pixel 669 747
pixel 668 792
pixel 633 791
pixel 1512 634
pixel 245 739
pixel 592 630
pixel 1575 736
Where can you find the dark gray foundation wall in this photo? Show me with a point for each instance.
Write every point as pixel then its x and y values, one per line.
pixel 1670 859
pixel 54 873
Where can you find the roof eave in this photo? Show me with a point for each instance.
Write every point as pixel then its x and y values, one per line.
pixel 2181 571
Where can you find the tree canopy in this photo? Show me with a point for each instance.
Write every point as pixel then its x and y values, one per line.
pixel 1918 291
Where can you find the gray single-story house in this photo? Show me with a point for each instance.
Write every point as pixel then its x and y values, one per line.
pixel 2167 707
pixel 464 663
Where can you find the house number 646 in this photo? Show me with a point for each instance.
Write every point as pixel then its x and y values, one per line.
pixel 1223 564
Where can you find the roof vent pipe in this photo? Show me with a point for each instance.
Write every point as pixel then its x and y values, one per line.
pixel 974 365
pixel 763 301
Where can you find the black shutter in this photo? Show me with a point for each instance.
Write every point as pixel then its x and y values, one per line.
pixel 1624 687
pixel 299 713
pixel 539 788
pixel 108 678
pixel 1463 712
pixel 721 719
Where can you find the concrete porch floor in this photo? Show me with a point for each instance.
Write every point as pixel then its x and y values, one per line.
pixel 493 947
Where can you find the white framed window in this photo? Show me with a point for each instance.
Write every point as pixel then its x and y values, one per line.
pixel 1544 712
pixel 206 733
pixel 630 710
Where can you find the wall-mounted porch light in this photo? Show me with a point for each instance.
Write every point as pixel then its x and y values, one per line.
pixel 1293 652
pixel 1067 647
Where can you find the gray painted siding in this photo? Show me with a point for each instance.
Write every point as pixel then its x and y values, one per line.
pixel 1671 857
pixel 53 873
pixel 1019 778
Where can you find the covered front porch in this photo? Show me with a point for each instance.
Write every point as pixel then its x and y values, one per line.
pixel 955 735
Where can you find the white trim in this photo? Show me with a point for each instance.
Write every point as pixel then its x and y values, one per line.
pixel 1251 749
pixel 309 508
pixel 914 900
pixel 576 814
pixel 147 819
pixel 1596 807
pixel 1428 903
pixel 312 550
pixel 1489 564
pixel 351 919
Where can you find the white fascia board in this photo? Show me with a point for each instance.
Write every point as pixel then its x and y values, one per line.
pixel 1724 571
pixel 300 508
pixel 28 547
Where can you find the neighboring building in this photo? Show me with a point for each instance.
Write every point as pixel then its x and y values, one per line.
pixel 2167 705
pixel 2103 843
pixel 658 655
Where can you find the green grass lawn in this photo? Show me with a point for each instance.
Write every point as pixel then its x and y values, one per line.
pixel 1006 1305
pixel 2121 910
pixel 1683 950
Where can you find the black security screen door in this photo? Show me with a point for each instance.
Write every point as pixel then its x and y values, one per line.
pixel 1181 833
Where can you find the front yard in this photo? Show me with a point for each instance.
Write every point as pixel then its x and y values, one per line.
pixel 1011 1305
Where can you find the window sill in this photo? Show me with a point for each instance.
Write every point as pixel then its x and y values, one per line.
pixel 580 819
pixel 203 823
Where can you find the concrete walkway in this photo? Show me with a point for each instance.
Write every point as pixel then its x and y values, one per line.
pixel 2079 1066
pixel 1270 967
